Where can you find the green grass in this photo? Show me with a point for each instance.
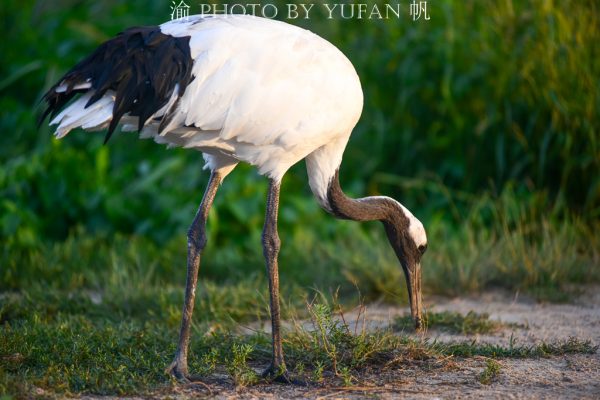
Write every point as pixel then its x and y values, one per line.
pixel 504 242
pixel 454 322
pixel 571 345
pixel 96 314
pixel 79 354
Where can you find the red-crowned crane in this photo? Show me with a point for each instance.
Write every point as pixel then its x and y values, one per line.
pixel 237 88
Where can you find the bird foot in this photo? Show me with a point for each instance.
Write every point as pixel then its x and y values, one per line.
pixel 179 371
pixel 281 375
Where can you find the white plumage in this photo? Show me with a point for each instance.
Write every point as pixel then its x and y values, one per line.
pixel 265 92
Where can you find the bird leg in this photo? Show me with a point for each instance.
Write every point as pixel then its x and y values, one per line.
pixel 271 245
pixel 196 243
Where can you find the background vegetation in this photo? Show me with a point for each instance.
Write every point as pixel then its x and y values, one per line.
pixel 483 121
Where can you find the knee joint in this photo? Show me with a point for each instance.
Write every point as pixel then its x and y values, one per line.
pixel 271 243
pixel 196 236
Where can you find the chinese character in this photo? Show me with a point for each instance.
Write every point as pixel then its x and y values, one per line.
pixel 180 11
pixel 417 9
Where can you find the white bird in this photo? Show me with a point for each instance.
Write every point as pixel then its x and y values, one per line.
pixel 237 88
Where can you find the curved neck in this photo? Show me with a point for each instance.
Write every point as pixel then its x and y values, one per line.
pixel 404 232
pixel 376 208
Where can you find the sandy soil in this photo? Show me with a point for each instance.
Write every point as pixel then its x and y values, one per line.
pixel 564 377
pixel 538 321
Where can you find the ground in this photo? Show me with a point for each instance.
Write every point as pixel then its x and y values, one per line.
pixel 525 322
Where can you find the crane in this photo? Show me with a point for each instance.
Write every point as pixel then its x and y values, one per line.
pixel 237 88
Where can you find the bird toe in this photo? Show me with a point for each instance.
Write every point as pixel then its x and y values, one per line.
pixel 179 372
pixel 281 375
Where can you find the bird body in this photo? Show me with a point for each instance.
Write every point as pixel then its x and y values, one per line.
pixel 264 92
pixel 238 89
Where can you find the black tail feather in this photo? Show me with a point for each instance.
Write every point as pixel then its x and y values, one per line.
pixel 141 65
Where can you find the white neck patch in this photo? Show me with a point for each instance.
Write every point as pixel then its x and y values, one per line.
pixel 416 230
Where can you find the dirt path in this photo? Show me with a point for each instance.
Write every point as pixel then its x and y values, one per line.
pixel 539 321
pixel 571 376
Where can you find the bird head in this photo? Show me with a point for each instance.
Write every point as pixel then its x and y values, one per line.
pixel 407 237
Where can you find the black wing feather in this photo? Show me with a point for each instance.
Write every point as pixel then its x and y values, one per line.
pixel 141 65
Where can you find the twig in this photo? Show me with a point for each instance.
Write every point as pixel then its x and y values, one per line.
pixel 195 383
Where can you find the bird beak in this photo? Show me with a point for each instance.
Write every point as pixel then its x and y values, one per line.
pixel 411 265
pixel 413 283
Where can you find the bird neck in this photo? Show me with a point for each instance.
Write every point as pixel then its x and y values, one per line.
pixel 324 179
pixel 375 208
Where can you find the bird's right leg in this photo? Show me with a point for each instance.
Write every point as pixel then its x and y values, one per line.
pixel 271 245
pixel 277 371
pixel 196 243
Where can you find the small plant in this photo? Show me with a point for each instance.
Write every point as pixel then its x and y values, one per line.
pixel 208 362
pixel 491 372
pixel 331 346
pixel 237 365
pixel 327 333
pixel 317 374
pixel 346 376
pixel 300 368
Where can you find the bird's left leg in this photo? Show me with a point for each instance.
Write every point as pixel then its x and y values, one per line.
pixel 196 243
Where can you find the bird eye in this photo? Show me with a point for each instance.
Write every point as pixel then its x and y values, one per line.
pixel 422 248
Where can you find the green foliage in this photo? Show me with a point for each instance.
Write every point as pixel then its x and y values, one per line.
pixel 494 129
pixel 478 97
pixel 503 242
pixel 483 120
pixel 500 148
pixel 511 242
